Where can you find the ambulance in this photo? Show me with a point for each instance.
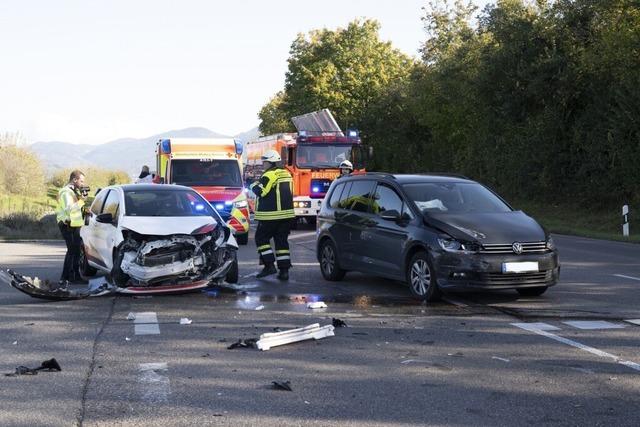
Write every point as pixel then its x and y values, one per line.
pixel 212 167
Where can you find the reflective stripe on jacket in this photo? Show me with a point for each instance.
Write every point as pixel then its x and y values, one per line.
pixel 69 208
pixel 275 195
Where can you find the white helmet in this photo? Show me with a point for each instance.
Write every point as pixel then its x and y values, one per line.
pixel 346 165
pixel 271 156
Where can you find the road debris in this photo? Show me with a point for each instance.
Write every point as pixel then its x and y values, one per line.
pixel 127 339
pixel 457 354
pixel 314 331
pixel 50 365
pixel 258 308
pixel 185 321
pixel 15 343
pixel 408 361
pixel 281 385
pixel 246 343
pixel 131 316
pixel 316 305
pixel 501 359
pixel 338 323
pixel 54 291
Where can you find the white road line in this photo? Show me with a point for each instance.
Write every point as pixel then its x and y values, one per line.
pixel 593 324
pixel 633 321
pixel 536 325
pixel 297 236
pixel 576 344
pixel 154 386
pixel 627 277
pixel 146 323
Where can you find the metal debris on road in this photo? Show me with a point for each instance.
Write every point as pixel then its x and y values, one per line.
pixel 316 305
pixel 246 343
pixel 338 323
pixel 281 385
pixel 185 321
pixel 314 331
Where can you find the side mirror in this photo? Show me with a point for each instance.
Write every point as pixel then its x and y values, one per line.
pixel 392 215
pixel 105 218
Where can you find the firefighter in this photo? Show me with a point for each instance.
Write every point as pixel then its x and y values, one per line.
pixel 69 216
pixel 346 168
pixel 274 213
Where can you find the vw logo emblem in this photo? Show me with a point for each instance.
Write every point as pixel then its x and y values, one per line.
pixel 517 248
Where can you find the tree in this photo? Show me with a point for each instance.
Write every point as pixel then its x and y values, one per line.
pixel 22 172
pixel 344 70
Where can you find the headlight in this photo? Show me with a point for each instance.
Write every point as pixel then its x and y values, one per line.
pixel 240 204
pixel 452 245
pixel 551 245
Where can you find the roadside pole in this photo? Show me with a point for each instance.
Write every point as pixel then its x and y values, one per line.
pixel 625 220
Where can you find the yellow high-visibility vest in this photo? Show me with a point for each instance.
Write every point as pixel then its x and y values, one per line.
pixel 69 208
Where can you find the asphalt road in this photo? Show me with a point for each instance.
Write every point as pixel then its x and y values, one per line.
pixel 400 362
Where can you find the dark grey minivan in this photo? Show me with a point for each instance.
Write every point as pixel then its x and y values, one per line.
pixel 433 232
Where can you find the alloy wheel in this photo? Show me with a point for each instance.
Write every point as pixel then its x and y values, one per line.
pixel 420 277
pixel 328 259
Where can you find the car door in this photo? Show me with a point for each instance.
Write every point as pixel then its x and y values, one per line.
pixel 106 232
pixel 386 241
pixel 89 238
pixel 354 218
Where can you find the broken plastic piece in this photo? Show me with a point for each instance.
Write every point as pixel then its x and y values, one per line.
pixel 313 331
pixel 131 316
pixel 317 304
pixel 185 321
pixel 282 385
pixel 50 365
pixel 36 288
pixel 258 308
pixel 338 323
pixel 248 343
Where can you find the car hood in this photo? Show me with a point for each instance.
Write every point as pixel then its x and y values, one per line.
pixel 504 227
pixel 218 194
pixel 165 226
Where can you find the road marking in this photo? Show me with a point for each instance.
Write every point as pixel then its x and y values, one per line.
pixel 154 386
pixel 299 264
pixel 576 344
pixel 627 277
pixel 592 324
pixel 502 359
pixel 536 326
pixel 146 323
pixel 297 236
pixel 633 321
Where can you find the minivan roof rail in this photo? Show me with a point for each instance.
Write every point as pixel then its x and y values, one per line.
pixel 452 175
pixel 385 174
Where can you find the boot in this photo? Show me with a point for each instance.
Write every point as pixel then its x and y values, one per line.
pixel 283 274
pixel 268 270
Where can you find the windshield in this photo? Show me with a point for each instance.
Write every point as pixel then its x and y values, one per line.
pixel 166 203
pixel 206 172
pixel 322 156
pixel 454 198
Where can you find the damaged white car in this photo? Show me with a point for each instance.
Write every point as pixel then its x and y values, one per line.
pixel 157 239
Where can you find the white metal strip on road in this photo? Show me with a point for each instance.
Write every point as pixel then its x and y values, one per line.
pixel 627 277
pixel 146 323
pixel 155 387
pixel 576 344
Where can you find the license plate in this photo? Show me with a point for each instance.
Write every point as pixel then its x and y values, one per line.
pixel 520 267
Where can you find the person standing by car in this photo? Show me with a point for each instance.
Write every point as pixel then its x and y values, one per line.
pixel 145 176
pixel 346 168
pixel 69 217
pixel 274 213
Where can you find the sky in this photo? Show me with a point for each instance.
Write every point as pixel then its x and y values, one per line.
pixel 90 71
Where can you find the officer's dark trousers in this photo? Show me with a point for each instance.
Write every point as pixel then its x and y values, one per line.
pixel 278 230
pixel 71 236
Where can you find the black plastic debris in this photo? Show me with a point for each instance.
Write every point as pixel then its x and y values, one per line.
pixel 338 323
pixel 248 343
pixel 50 365
pixel 281 385
pixel 53 291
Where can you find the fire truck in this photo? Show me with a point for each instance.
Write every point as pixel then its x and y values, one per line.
pixel 312 156
pixel 212 167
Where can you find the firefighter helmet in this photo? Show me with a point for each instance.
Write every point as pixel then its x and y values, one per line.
pixel 347 165
pixel 271 156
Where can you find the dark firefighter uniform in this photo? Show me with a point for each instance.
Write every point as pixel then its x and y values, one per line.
pixel 274 212
pixel 69 217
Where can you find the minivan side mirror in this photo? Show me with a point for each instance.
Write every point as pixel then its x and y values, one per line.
pixel 105 218
pixel 391 215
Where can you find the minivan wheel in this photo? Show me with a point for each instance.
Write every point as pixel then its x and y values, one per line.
pixel 85 269
pixel 421 278
pixel 532 292
pixel 329 262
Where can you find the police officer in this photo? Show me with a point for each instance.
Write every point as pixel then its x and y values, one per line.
pixel 346 168
pixel 69 217
pixel 274 213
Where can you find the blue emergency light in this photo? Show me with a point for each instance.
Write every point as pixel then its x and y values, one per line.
pixel 352 133
pixel 238 146
pixel 316 189
pixel 165 145
pixel 219 206
pixel 228 203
